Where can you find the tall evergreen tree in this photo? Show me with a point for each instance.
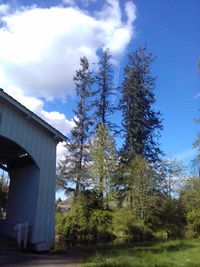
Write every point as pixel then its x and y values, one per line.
pixel 72 171
pixel 104 91
pixel 141 123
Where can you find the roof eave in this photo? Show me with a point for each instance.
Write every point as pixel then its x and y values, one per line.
pixel 58 136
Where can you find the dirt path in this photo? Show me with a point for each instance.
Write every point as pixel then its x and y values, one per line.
pixel 11 258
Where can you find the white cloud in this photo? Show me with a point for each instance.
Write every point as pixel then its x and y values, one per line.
pixel 130 9
pixel 40 47
pixel 61 151
pixel 85 3
pixel 40 50
pixel 56 119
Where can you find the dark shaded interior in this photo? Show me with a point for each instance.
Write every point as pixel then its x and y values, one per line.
pixel 12 156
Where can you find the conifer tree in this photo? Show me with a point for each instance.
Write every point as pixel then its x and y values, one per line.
pixel 104 91
pixel 141 123
pixel 72 171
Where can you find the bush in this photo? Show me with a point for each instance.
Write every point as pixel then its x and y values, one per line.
pixel 190 197
pixel 168 218
pixel 127 228
pixel 82 224
pixel 85 224
pixel 101 225
pixel 193 217
pixel 75 223
pixel 140 232
pixel 189 233
pixel 59 223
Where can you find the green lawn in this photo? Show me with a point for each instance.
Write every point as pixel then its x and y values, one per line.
pixel 163 254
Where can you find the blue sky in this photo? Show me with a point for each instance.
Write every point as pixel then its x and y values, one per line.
pixel 42 41
pixel 171 30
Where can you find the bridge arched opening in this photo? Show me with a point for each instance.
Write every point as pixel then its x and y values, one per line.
pixel 13 156
pixel 21 173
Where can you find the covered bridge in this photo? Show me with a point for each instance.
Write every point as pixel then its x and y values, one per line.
pixel 28 154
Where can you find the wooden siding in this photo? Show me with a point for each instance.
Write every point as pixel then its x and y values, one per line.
pixel 32 189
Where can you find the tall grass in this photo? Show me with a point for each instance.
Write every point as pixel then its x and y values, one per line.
pixel 164 254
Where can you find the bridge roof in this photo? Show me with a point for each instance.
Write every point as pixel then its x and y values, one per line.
pixel 58 136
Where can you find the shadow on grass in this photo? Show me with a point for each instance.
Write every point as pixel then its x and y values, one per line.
pixel 131 255
pixel 152 247
pixel 156 248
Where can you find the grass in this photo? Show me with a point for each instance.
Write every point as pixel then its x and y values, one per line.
pixel 163 254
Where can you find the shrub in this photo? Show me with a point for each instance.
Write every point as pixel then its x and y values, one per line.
pixel 75 223
pixel 193 217
pixel 101 225
pixel 59 223
pixel 139 232
pixel 121 219
pixel 127 228
pixel 168 218
pixel 189 233
pixel 82 224
pixel 190 197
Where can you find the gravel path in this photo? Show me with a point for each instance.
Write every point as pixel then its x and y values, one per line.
pixel 13 258
pixel 10 257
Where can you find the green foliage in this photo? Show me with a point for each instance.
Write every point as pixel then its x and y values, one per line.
pixel 142 190
pixel 75 223
pixel 72 171
pixel 141 123
pixel 191 199
pixel 128 228
pixel 163 254
pixel 4 185
pixel 83 224
pixel 104 91
pixel 170 215
pixel 91 199
pixel 138 177
pixel 122 219
pixel 59 223
pixel 103 166
pixel 193 217
pixel 100 224
pixel 174 174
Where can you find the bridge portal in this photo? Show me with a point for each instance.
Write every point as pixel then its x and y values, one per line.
pixel 28 154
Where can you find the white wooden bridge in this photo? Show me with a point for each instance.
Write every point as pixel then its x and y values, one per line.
pixel 28 154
